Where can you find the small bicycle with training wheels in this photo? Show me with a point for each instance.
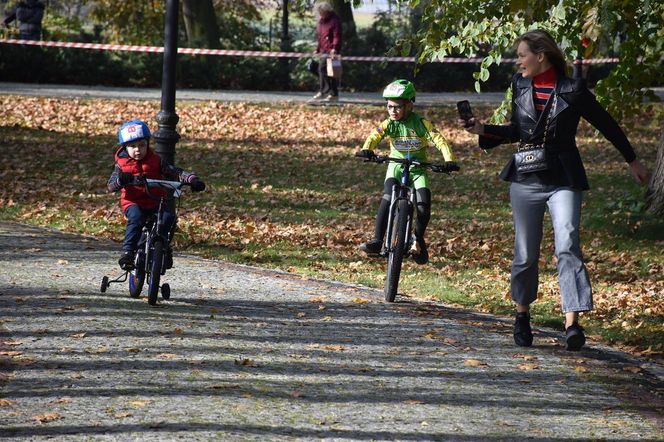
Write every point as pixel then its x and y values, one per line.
pixel 154 255
pixel 399 237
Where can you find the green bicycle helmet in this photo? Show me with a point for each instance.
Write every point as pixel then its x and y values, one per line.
pixel 400 89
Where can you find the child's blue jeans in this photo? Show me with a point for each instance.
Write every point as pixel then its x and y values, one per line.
pixel 136 219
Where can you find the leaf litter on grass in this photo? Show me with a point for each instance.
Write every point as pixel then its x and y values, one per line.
pixel 286 192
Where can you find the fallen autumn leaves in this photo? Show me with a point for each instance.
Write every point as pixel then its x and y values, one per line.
pixel 285 192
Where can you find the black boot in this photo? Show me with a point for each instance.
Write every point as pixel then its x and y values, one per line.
pixel 574 337
pixel 372 247
pixel 523 334
pixel 421 254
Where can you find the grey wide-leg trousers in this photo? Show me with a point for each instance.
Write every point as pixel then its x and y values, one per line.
pixel 529 201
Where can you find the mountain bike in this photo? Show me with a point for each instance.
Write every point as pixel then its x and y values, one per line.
pixel 399 237
pixel 154 254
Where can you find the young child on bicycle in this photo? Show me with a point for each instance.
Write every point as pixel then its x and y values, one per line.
pixel 134 162
pixel 409 136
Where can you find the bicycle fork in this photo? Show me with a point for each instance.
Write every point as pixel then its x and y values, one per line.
pixel 398 193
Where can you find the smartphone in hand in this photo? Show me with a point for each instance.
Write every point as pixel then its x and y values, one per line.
pixel 465 112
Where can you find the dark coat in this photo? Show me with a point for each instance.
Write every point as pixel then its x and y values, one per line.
pixel 29 14
pixel 574 101
pixel 328 32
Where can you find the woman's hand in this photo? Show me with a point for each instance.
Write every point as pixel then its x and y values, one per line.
pixel 639 172
pixel 472 126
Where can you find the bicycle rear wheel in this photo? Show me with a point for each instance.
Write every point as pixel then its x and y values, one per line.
pixel 157 258
pixel 397 245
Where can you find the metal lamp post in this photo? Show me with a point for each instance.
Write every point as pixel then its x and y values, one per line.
pixel 166 135
pixel 285 46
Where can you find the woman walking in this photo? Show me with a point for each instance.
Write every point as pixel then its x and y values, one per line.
pixel 547 171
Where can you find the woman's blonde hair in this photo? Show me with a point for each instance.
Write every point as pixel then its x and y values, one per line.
pixel 541 42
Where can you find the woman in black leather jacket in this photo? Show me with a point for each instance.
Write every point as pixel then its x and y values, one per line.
pixel 546 108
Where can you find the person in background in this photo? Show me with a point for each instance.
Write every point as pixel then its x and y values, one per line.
pixel 29 14
pixel 328 33
pixel 546 108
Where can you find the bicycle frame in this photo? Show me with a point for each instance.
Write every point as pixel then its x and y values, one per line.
pixel 399 237
pixel 153 227
pixel 153 256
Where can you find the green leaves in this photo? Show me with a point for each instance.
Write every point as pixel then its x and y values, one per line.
pixel 489 29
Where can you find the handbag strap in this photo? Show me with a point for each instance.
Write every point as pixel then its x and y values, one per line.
pixel 527 146
pixel 548 117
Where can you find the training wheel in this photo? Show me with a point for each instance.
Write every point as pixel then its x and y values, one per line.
pixel 104 284
pixel 166 291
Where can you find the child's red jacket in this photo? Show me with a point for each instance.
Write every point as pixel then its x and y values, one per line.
pixel 149 167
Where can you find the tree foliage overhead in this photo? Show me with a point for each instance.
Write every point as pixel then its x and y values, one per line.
pixel 632 30
pixel 132 22
pixel 207 23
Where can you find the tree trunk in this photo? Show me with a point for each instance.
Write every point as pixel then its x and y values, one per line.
pixel 349 32
pixel 655 194
pixel 200 22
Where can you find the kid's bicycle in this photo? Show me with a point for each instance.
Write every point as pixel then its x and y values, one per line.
pixel 154 255
pixel 399 237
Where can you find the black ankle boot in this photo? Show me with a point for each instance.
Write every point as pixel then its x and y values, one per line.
pixel 523 334
pixel 574 337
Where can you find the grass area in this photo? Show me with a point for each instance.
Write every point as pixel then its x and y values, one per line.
pixel 284 191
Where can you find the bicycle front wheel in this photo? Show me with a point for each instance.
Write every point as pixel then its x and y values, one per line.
pixel 397 250
pixel 157 258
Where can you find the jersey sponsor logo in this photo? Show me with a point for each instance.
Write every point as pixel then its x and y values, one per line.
pixel 407 144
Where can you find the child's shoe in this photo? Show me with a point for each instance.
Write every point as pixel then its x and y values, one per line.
pixel 372 247
pixel 419 251
pixel 126 261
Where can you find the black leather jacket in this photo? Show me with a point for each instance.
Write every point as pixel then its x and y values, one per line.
pixel 574 101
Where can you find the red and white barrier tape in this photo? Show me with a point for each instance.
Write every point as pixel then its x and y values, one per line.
pixel 201 51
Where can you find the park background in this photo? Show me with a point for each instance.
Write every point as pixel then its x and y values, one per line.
pixel 285 191
pixel 374 28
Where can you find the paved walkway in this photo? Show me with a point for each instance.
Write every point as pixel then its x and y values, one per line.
pixel 241 353
pixel 73 91
pixel 424 99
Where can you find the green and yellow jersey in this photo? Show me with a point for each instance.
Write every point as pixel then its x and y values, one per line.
pixel 410 138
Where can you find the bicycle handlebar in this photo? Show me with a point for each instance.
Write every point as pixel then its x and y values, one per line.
pixel 447 167
pixel 174 186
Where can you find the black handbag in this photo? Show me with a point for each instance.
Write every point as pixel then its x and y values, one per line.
pixel 532 157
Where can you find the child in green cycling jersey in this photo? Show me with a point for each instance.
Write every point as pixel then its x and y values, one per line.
pixel 409 135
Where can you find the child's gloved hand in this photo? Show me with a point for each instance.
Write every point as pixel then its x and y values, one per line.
pixel 366 153
pixel 125 178
pixel 451 165
pixel 197 186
